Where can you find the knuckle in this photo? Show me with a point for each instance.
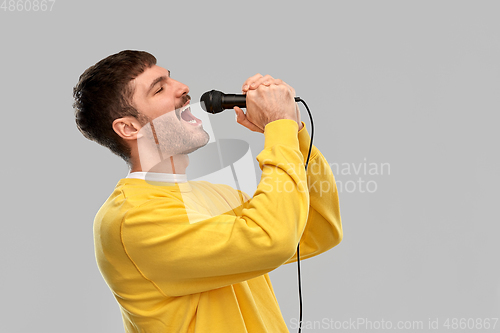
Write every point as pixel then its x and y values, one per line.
pixel 282 87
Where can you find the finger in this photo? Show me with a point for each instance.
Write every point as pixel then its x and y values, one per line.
pixel 243 120
pixel 290 87
pixel 249 81
pixel 255 81
pixel 265 80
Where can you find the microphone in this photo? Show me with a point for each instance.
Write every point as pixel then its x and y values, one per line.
pixel 214 101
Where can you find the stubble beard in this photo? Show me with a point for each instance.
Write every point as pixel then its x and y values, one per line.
pixel 173 137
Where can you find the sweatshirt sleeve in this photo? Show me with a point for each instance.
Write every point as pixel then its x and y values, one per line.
pixel 181 258
pixel 324 227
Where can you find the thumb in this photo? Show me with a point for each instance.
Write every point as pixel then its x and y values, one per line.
pixel 237 111
pixel 242 119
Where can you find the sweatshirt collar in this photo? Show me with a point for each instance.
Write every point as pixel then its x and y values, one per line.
pixel 158 177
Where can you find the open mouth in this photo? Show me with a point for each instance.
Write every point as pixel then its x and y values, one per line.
pixel 188 117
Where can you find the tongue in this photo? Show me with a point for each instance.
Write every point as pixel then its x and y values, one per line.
pixel 187 115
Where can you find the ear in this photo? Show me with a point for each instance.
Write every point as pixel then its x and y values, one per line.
pixel 127 128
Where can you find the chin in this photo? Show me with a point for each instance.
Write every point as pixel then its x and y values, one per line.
pixel 203 143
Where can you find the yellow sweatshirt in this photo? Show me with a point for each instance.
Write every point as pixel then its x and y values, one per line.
pixel 172 273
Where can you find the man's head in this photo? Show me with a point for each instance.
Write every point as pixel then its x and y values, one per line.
pixel 122 93
pixel 104 93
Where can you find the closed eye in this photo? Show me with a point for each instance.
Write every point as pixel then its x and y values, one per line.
pixel 159 90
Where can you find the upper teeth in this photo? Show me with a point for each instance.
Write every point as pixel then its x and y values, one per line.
pixel 184 108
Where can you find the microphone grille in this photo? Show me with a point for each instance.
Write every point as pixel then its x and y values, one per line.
pixel 211 101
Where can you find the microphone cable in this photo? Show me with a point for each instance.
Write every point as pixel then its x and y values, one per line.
pixel 298 99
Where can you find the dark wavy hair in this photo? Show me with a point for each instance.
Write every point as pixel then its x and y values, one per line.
pixel 104 93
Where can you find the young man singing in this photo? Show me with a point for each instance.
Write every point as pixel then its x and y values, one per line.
pixel 191 256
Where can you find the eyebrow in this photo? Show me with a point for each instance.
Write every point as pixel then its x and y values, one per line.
pixel 156 81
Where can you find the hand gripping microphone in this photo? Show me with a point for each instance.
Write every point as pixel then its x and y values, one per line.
pixel 214 101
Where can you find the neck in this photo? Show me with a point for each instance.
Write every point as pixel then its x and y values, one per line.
pixel 174 164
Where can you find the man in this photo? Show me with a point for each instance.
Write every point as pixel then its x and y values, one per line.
pixel 185 256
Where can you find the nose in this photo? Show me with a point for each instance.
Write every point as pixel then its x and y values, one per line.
pixel 181 89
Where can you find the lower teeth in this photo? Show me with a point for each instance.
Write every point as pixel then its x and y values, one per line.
pixel 192 121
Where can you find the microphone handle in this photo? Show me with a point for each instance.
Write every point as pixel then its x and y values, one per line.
pixel 228 101
pixel 231 100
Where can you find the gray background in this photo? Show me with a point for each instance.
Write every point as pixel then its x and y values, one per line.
pixel 411 83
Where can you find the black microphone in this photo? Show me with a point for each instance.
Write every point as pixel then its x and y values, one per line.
pixel 214 101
